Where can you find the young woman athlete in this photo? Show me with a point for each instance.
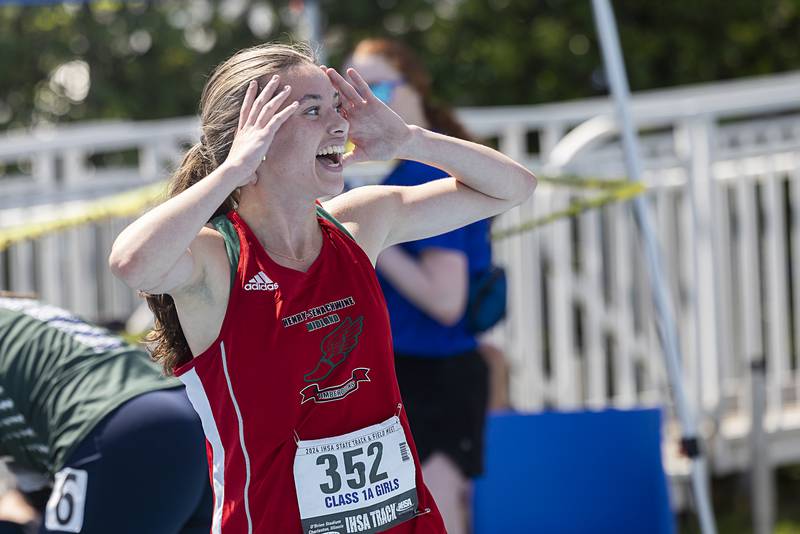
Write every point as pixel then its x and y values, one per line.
pixel 266 301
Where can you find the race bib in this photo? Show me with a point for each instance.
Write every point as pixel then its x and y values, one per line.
pixel 65 506
pixel 363 481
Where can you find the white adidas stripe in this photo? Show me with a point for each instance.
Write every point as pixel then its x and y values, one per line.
pixel 264 277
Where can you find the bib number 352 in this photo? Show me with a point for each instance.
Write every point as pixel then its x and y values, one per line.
pixel 66 504
pixel 352 467
pixel 359 482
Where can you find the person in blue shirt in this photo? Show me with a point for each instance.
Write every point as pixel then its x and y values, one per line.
pixel 443 377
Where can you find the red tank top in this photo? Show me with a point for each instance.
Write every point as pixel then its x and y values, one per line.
pixel 299 356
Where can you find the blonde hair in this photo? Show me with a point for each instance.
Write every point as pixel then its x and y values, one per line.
pixel 220 104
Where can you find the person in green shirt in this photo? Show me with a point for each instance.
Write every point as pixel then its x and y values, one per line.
pixel 118 444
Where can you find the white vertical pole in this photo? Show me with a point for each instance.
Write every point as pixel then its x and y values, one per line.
pixel 794 193
pixel 592 288
pixel 776 275
pixel 624 394
pixel 763 483
pixel 696 142
pixel 615 70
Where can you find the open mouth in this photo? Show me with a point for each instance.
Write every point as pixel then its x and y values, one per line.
pixel 331 157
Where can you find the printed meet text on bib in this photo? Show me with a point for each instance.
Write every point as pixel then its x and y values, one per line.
pixel 363 481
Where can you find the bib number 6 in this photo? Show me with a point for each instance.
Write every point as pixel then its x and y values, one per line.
pixel 66 504
pixel 352 467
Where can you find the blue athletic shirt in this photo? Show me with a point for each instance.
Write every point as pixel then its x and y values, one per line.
pixel 413 331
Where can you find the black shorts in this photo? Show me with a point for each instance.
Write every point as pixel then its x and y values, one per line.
pixel 142 469
pixel 446 401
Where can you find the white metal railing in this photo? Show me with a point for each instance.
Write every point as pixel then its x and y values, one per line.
pixel 722 163
pixel 725 191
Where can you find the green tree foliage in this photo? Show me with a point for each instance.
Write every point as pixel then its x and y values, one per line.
pixel 148 60
pixel 497 52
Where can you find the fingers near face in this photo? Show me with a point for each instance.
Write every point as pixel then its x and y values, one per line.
pixel 263 98
pixel 249 96
pixel 345 88
pixel 358 82
pixel 272 106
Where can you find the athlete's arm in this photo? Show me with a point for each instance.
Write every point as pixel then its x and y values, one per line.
pixel 164 250
pixel 483 181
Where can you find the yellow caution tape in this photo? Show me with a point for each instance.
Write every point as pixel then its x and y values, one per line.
pixel 624 190
pixel 119 205
pixel 136 201
pixel 137 340
pixel 576 182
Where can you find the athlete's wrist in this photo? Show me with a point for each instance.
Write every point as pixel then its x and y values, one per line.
pixel 412 147
pixel 232 174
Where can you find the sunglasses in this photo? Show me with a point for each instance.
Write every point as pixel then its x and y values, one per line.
pixel 384 90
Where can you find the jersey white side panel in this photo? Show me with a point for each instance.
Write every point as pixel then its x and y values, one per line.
pixel 199 399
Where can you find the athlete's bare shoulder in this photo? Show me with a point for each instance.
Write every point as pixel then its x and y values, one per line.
pixel 363 211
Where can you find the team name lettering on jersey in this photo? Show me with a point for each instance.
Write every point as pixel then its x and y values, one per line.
pixel 318 311
pixel 323 322
pixel 335 393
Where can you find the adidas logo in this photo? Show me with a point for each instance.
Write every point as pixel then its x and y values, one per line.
pixel 260 282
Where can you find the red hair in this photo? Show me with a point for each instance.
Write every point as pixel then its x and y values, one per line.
pixel 407 63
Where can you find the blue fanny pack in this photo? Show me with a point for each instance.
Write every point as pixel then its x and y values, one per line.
pixel 487 299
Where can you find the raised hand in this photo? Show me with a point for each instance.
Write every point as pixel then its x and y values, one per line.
pixel 377 132
pixel 258 123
